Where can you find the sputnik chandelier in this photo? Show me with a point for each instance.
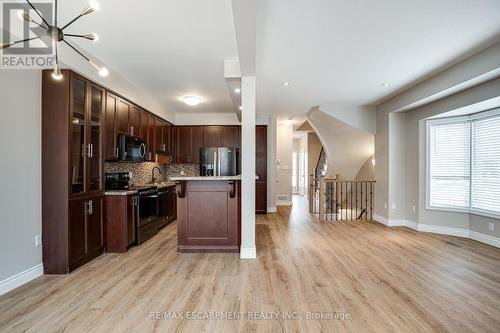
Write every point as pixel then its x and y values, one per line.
pixel 58 35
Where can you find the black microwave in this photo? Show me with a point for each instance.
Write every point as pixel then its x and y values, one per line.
pixel 131 148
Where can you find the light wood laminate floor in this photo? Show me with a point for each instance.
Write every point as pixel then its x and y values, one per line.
pixel 384 280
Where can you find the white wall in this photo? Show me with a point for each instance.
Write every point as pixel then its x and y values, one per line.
pixel 284 148
pixel 360 117
pixel 20 171
pixel 346 147
pixel 401 175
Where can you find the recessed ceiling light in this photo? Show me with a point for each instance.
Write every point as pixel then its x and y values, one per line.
pixel 241 108
pixel 237 90
pixel 286 83
pixel 192 100
pixel 385 84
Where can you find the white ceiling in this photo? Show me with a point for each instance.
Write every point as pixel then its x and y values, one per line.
pixel 331 51
pixel 338 51
pixel 170 48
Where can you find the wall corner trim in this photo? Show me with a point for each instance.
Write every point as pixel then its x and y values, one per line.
pixel 248 253
pixel 21 278
pixel 435 229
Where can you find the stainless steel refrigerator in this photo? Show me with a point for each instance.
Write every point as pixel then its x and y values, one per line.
pixel 219 161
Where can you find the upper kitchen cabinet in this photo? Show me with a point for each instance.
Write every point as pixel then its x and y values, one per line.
pixel 111 147
pixel 188 141
pixel 231 137
pixel 150 143
pixel 135 121
pixel 72 170
pixel 159 146
pixel 221 136
pixel 86 137
pixel 122 117
pixel 143 120
pixel 213 136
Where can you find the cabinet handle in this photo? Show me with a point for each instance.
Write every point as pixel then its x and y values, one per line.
pixel 89 208
pixel 83 150
pixel 135 201
pixel 117 151
pixel 131 130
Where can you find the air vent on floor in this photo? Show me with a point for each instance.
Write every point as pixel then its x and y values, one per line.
pixel 281 197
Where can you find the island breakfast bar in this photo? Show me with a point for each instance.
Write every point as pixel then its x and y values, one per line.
pixel 208 213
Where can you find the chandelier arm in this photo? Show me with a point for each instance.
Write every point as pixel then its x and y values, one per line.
pixel 73 35
pixel 5 46
pixel 36 11
pixel 74 49
pixel 71 22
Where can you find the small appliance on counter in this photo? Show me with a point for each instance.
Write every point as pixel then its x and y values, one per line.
pixel 219 161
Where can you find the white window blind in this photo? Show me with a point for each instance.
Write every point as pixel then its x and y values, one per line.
pixel 485 191
pixel 450 164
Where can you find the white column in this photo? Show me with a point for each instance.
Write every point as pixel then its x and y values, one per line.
pixel 248 97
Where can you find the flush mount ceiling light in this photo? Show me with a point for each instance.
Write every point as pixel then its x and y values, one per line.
pixel 58 35
pixel 192 100
pixel 286 83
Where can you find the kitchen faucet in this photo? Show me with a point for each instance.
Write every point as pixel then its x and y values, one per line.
pixel 153 178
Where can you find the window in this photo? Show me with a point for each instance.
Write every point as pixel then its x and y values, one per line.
pixel 463 170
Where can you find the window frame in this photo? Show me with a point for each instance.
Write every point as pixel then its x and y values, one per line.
pixel 453 120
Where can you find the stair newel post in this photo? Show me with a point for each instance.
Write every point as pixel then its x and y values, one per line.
pixel 311 193
pixel 322 197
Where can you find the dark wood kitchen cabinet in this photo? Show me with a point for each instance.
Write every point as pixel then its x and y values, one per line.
pixel 150 144
pixel 261 169
pixel 86 230
pixel 111 147
pixel 188 141
pixel 221 136
pixel 72 171
pixel 120 222
pixel 135 121
pixel 122 117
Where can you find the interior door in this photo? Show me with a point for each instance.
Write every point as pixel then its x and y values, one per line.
pixel 95 172
pixel 78 136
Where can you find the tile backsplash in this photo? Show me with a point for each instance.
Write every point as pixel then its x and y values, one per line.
pixel 141 172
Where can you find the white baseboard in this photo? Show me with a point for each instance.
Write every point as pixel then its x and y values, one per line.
pixel 19 279
pixel 443 230
pixel 248 253
pixel 457 232
pixel 272 209
pixel 283 203
pixel 490 240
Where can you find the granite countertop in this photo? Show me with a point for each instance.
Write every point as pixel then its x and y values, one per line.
pixel 120 192
pixel 238 177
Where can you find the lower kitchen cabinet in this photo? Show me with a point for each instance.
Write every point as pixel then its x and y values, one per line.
pixel 120 222
pixel 86 230
pixel 167 206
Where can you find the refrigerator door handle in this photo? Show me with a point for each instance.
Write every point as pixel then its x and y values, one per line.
pixel 218 163
pixel 214 171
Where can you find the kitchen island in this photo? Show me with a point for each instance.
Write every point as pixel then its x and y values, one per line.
pixel 208 213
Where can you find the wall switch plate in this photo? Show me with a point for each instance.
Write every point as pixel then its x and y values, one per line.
pixel 385 205
pixel 393 206
pixel 413 208
pixel 38 240
pixel 491 226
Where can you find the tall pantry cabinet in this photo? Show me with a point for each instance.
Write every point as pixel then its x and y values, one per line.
pixel 72 171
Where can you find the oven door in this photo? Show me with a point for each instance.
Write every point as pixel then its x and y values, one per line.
pixel 131 148
pixel 147 209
